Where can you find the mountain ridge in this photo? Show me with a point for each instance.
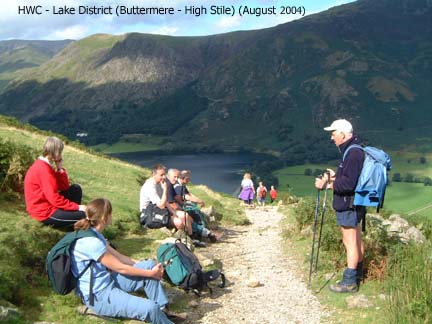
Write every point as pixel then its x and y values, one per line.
pixel 273 89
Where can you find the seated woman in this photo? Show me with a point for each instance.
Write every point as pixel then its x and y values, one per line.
pixel 48 196
pixel 114 274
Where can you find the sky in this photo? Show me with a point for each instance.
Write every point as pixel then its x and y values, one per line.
pixel 55 20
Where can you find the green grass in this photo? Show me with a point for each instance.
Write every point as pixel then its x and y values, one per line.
pixel 132 143
pixel 299 247
pixel 293 180
pixel 24 240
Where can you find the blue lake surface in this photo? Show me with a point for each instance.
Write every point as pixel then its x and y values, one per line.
pixel 220 171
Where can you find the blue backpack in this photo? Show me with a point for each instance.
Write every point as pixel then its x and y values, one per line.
pixel 371 186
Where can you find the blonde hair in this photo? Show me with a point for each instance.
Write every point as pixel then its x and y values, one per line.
pixel 53 148
pixel 97 212
pixel 247 175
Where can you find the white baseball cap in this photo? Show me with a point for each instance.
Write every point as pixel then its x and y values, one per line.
pixel 341 125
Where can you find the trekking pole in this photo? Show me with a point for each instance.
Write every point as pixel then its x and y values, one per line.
pixel 314 232
pixel 324 207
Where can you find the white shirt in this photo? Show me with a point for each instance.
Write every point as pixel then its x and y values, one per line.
pixel 151 192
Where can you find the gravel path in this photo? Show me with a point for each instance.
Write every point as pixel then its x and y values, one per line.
pixel 252 255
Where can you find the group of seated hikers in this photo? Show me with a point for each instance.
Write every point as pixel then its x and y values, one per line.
pixel 107 277
pixel 169 193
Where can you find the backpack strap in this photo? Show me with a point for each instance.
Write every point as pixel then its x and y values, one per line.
pixel 82 234
pixel 349 148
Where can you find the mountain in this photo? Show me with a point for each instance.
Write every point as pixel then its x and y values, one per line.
pixel 16 55
pixel 269 90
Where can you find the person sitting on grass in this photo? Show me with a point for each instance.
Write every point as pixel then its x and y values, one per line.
pixel 115 275
pixel 189 203
pixel 155 191
pixel 48 196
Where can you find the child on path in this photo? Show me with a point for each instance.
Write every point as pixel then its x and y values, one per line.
pixel 261 194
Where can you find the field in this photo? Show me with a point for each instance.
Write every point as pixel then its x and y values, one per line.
pixel 132 143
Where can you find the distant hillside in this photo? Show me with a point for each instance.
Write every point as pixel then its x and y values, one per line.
pixel 271 89
pixel 16 55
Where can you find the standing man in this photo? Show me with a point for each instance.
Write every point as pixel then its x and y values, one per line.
pixel 348 216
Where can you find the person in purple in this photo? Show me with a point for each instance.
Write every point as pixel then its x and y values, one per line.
pixel 247 192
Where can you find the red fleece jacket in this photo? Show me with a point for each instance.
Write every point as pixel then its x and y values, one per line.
pixel 41 189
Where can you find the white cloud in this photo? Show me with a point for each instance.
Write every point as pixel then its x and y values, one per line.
pixel 165 30
pixel 229 22
pixel 72 32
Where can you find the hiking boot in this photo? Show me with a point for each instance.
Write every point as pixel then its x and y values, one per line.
pixel 348 283
pixel 198 243
pixel 344 288
pixel 84 310
pixel 212 237
pixel 359 275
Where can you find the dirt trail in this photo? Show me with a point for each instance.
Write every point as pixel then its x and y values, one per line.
pixel 252 254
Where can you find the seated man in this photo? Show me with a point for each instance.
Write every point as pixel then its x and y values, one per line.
pixel 189 202
pixel 155 191
pixel 182 192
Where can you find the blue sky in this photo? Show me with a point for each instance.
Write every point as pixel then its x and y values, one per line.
pixel 49 26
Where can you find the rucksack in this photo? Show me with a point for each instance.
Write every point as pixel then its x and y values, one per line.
pixel 371 185
pixel 58 264
pixel 195 212
pixel 262 192
pixel 183 268
pixel 154 217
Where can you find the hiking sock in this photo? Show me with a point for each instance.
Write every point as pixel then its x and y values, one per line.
pixel 348 283
pixel 349 277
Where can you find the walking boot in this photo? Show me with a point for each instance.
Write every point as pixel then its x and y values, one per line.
pixel 359 270
pixel 348 283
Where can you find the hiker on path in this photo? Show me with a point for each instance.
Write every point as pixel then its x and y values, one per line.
pixel 247 192
pixel 261 194
pixel 348 217
pixel 273 194
pixel 155 191
pixel 48 196
pixel 115 275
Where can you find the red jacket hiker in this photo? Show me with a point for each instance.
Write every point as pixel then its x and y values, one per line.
pixel 41 188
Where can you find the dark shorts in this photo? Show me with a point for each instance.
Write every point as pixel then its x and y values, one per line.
pixel 351 217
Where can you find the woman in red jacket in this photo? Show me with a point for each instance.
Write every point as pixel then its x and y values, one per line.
pixel 48 196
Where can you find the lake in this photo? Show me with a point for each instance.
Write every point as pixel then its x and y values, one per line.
pixel 220 171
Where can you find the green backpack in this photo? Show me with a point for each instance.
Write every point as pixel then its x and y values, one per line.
pixel 58 264
pixel 183 268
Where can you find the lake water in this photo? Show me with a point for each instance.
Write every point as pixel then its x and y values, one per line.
pixel 220 171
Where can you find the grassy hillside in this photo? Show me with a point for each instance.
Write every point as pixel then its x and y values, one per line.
pixel 24 242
